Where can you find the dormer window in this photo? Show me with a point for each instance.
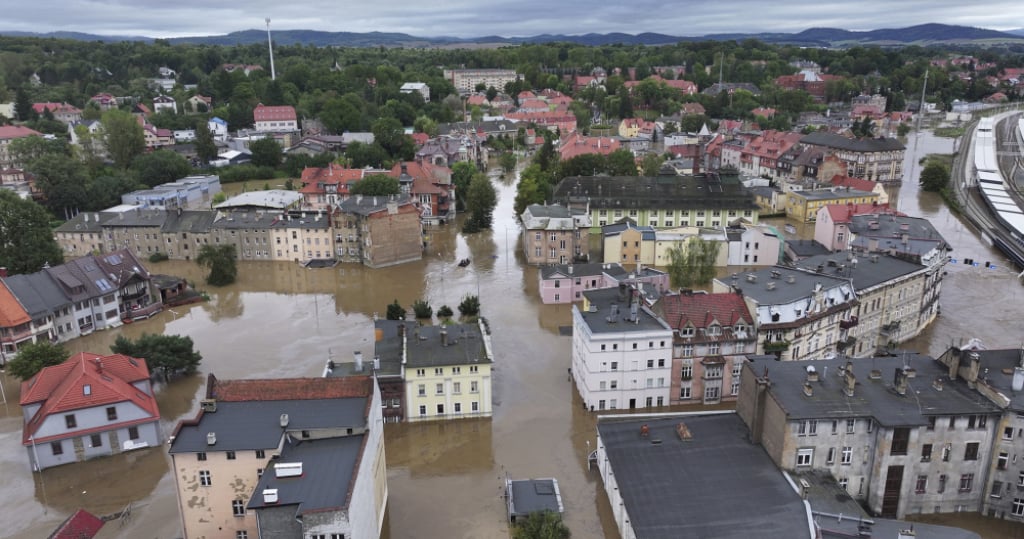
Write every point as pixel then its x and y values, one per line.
pixel 686 331
pixel 714 330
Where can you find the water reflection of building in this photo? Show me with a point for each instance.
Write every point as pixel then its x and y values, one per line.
pixel 264 458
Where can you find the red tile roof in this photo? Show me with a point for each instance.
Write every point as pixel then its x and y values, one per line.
pixel 427 178
pixel 263 113
pixel 86 380
pixel 54 107
pixel 844 213
pixel 853 183
pixel 12 313
pixel 16 131
pixel 700 310
pixel 576 144
pixel 81 525
pixel 312 177
pixel 288 388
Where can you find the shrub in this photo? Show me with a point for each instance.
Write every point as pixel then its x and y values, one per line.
pixel 395 311
pixel 422 309
pixel 470 306
pixel 158 257
pixel 445 312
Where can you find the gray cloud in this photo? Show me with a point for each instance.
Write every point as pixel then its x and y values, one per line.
pixel 464 18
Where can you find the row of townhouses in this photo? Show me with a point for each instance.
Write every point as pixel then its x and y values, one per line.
pixel 63 302
pixel 374 231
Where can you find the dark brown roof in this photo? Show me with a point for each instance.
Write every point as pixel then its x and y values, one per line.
pixel 288 389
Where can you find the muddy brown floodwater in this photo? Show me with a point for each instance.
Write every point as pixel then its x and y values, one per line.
pixel 444 479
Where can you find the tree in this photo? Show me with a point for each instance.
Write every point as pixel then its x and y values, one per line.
pixel 266 152
pixel 206 148
pixel 692 264
pixel 481 198
pixel 166 354
pixel 425 124
pixel 492 92
pixel 389 134
pixel 652 164
pixel 422 309
pixel 34 357
pixel 462 175
pixel 621 163
pixel 376 185
pixel 365 155
pixel 445 312
pixel 469 306
pixel 23 105
pixel 123 137
pixel 220 260
pixel 26 241
pixel 62 181
pixel 395 311
pixel 541 525
pixel 507 161
pixel 25 150
pixel 161 166
pixel 934 177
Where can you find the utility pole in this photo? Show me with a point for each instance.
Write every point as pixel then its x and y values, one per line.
pixel 270 45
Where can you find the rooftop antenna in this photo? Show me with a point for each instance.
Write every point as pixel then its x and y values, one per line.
pixel 270 45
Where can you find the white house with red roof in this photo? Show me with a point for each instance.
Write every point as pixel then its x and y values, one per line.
pixel 7 134
pixel 62 112
pixel 89 406
pixel 323 187
pixel 276 118
pixel 575 144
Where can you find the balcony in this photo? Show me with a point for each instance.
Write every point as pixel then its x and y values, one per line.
pixel 890 328
pixel 847 324
pixel 848 342
pixel 776 346
pixel 139 313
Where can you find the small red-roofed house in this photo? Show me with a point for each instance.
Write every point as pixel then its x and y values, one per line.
pixel 860 184
pixel 62 112
pixel 831 227
pixel 713 333
pixel 323 187
pixel 89 406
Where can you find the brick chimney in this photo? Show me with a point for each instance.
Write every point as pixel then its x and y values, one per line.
pixel 900 381
pixel 849 379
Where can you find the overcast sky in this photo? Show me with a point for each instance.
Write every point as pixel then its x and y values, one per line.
pixel 465 18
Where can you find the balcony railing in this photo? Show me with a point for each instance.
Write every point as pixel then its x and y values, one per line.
pixel 776 346
pixel 146 311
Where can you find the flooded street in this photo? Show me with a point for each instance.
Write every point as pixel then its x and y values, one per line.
pixel 444 479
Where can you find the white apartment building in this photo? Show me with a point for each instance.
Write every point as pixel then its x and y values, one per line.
pixel 621 351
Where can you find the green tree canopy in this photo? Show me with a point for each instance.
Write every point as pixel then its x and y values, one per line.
pixel 166 354
pixel 376 185
pixel 935 176
pixel 63 182
pixel 481 198
pixel 34 357
pixel 123 137
pixel 159 167
pixel 26 241
pixel 693 263
pixel 220 260
pixel 541 525
pixel 266 152
pixel 395 311
pixel 469 306
pixel 206 148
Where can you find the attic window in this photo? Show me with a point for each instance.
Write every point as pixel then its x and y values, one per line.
pixel 686 331
pixel 87 389
pixel 714 329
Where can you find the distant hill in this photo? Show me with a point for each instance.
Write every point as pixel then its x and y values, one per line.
pixel 815 37
pixel 1017 32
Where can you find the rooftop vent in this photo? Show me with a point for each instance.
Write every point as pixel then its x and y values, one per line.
pixel 270 495
pixel 211 438
pixel 284 421
pixel 790 279
pixel 288 469
pixel 684 432
pixel 770 286
pixel 751 278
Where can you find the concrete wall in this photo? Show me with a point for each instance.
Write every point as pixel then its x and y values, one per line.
pixel 275 521
pixel 89 419
pixel 77 448
pixel 206 511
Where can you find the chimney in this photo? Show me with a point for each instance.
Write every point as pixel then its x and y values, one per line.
pixel 808 389
pixel 900 381
pixel 3 272
pixel 378 334
pixel 937 383
pixel 973 366
pixel 757 417
pixel 359 360
pixel 954 363
pixel 849 379
pixel 284 421
pixel 812 374
pixel 376 363
pixel 211 438
pixel 570 269
pixel 444 337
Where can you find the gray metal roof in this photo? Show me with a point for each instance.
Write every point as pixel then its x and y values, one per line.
pixel 783 292
pixel 194 221
pixel 868 271
pixel 831 194
pixel 37 293
pixel 236 220
pixel 534 495
pixel 465 346
pixel 832 140
pixel 86 222
pixel 545 210
pixel 599 320
pixel 872 398
pixel 257 424
pixel 999 365
pixel 717 484
pixel 138 218
pixel 388 349
pixel 277 199
pixel 582 270
pixel 328 468
pixel 806 247
pixel 669 192
pixel 366 205
pixel 892 226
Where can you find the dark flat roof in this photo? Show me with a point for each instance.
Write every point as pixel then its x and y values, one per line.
pixel 806 247
pixel 534 495
pixel 669 192
pixel 465 346
pixel 867 272
pixel 1000 365
pixel 328 466
pixel 582 270
pixel 783 291
pixel 716 485
pixel 877 399
pixel 832 140
pixel 257 424
pixel 603 299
